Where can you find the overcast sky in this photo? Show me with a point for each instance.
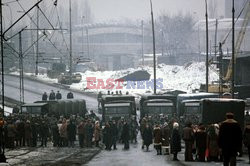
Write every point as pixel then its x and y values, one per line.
pixel 140 9
pixel 105 10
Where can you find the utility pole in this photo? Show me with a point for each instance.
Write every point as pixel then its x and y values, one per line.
pixel 2 59
pixel 153 31
pixel 82 35
pixel 21 68
pixel 87 33
pixel 220 68
pixel 233 60
pixel 70 43
pixel 206 15
pixel 142 42
pixel 37 43
pixel 162 43
pixel 215 38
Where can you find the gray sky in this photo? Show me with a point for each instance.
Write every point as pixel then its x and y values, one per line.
pixel 106 10
pixel 140 9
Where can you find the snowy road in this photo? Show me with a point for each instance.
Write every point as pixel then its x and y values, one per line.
pixel 135 156
pixel 34 90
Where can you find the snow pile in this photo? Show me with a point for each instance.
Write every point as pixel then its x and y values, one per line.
pixel 185 78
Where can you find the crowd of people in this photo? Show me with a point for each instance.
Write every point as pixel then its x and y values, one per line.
pixel 202 143
pixel 215 142
pixel 56 96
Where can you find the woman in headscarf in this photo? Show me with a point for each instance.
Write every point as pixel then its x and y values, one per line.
pixel 175 141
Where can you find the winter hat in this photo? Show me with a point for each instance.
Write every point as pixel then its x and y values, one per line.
pixel 175 125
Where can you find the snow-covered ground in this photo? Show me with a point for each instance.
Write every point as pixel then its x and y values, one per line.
pixel 185 78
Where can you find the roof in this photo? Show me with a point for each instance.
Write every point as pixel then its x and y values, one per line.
pixel 224 100
pixel 202 94
pixel 34 105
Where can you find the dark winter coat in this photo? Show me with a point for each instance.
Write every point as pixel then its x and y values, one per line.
pixel 246 136
pixel 165 136
pixel 11 130
pixel 147 136
pixel 175 141
pixel 157 136
pixel 52 96
pixel 201 139
pixel 44 130
pixel 188 134
pixel 125 133
pixel 71 131
pixel 212 139
pixel 58 96
pixel 107 135
pixel 230 137
pixel 28 131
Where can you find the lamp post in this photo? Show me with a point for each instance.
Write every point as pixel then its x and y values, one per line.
pixel 153 32
pixel 206 15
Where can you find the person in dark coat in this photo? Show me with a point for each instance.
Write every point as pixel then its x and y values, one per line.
pixel 246 139
pixel 212 142
pixel 58 95
pixel 201 143
pixel 147 136
pixel 81 133
pixel 44 133
pixel 166 138
pixel 71 131
pixel 20 132
pixel 55 134
pixel 157 139
pixel 89 130
pixel 114 133
pixel 125 135
pixel 44 97
pixel 175 141
pixel 52 95
pixel 70 95
pixel 28 132
pixel 34 131
pixel 230 139
pixel 188 137
pixel 11 134
pixel 107 136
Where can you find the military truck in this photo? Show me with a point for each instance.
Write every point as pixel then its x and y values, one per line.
pixel 191 111
pixel 56 108
pixel 151 104
pixel 213 110
pixel 193 96
pixel 117 106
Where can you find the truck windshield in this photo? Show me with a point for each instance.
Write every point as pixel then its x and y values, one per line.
pixel 160 110
pixel 192 110
pixel 32 110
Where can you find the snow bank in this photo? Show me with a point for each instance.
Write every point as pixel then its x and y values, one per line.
pixel 184 78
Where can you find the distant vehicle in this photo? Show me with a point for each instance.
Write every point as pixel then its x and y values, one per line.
pixel 214 110
pixel 56 108
pixel 65 78
pixel 117 106
pixel 158 104
pixel 56 70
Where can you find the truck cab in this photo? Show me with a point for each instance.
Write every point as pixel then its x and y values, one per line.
pixel 117 106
